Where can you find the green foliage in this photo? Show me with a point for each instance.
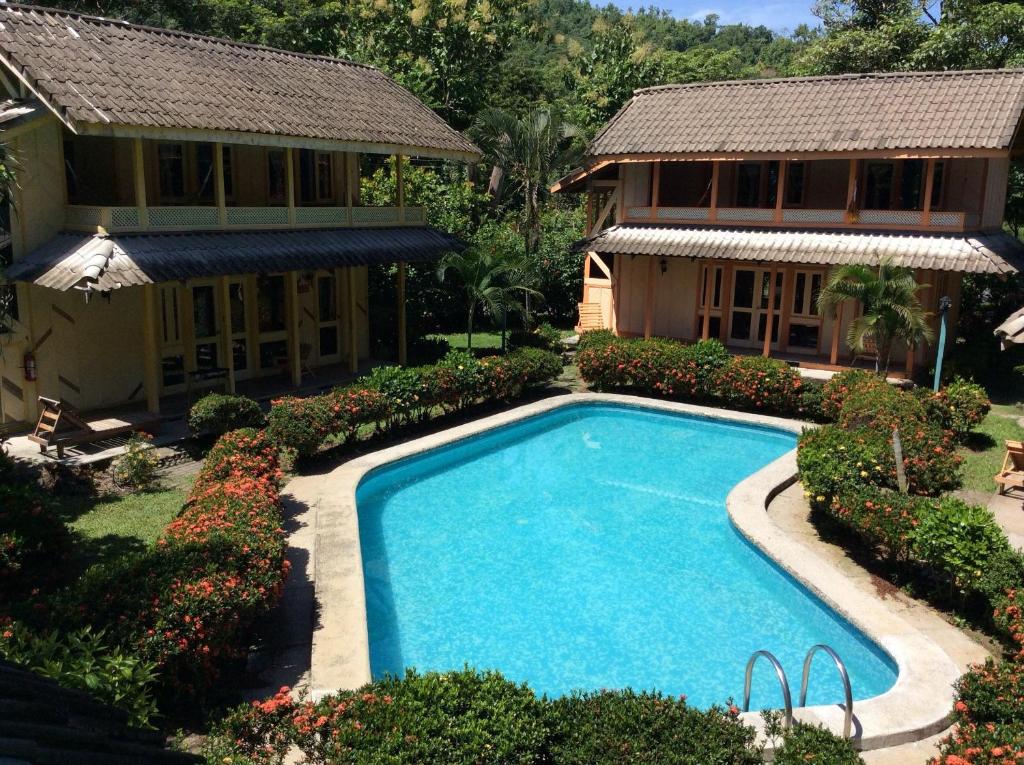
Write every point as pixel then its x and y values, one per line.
pixel 838 387
pixel 220 413
pixel 989 716
pixel 881 406
pixel 884 519
pixel 543 336
pixel 136 469
pixel 959 407
pixel 959 540
pixel 759 383
pixel 804 743
pixel 85 660
pixel 401 387
pixel 621 727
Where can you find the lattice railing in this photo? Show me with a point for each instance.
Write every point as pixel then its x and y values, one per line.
pixel 416 216
pixel 643 213
pixel 321 216
pixel 683 213
pixel 747 214
pixel 948 219
pixel 82 216
pixel 890 217
pixel 813 216
pixel 184 217
pixel 124 218
pixel 374 216
pixel 257 216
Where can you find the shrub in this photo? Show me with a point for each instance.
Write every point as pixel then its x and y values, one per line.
pixel 219 413
pixel 301 425
pixel 803 744
pixel 620 727
pixel 756 382
pixel 880 406
pixel 137 467
pixel 541 366
pixel 402 388
pixel 454 382
pixel 83 659
pixel 989 713
pixel 882 518
pixel 595 338
pixel 958 540
pixel 812 396
pixel 427 350
pixel 838 387
pixel 543 336
pixel 959 407
pixel 502 378
pixel 35 545
pixel 219 566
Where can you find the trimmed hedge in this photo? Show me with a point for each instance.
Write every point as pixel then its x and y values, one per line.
pixel 219 413
pixel 187 603
pixel 393 397
pixel 471 718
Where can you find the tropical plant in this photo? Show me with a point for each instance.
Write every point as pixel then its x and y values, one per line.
pixel 892 310
pixel 490 280
pixel 527 150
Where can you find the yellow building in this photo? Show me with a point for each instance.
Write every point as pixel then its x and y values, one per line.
pixel 188 209
pixel 717 209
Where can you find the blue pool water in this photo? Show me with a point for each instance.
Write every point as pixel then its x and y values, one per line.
pixel 589 547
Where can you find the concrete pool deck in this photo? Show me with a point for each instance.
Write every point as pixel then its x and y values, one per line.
pixel 929 657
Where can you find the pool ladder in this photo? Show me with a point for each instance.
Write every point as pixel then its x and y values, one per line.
pixel 805 676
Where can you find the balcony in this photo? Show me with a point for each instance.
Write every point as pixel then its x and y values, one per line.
pixel 937 220
pixel 185 218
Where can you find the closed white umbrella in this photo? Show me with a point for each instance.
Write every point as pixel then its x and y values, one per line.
pixel 1011 331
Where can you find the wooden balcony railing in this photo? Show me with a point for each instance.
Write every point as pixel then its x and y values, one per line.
pixel 937 220
pixel 192 218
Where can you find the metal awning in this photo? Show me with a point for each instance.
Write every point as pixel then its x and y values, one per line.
pixel 980 253
pixel 106 262
pixel 1011 331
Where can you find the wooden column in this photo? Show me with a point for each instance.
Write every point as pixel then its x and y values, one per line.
pixel 837 325
pixel 780 191
pixel 649 299
pixel 402 349
pixel 150 349
pixel 139 174
pixel 292 307
pixel 709 291
pixel 786 307
pixel 929 184
pixel 400 191
pixel 726 304
pixel 350 308
pixel 852 203
pixel 713 211
pixel 289 184
pixel 770 318
pixel 655 190
pixel 218 184
pixel 224 288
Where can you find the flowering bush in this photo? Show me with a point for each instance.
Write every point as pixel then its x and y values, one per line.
pixel 755 382
pixel 185 603
pixel 884 519
pixel 880 406
pixel 989 713
pixel 219 413
pixel 136 469
pixel 959 407
pixel 958 540
pixel 838 387
pixel 35 545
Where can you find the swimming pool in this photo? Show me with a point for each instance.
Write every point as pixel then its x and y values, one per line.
pixel 589 547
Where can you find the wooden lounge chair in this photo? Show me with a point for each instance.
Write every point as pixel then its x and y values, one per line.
pixel 591 317
pixel 1012 474
pixel 868 353
pixel 60 426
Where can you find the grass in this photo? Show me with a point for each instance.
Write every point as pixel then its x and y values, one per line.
pixel 109 526
pixel 983 453
pixel 484 340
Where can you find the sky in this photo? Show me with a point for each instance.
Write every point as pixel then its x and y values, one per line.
pixel 774 14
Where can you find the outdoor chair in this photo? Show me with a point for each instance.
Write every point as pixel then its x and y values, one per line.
pixel 60 426
pixel 1012 474
pixel 868 353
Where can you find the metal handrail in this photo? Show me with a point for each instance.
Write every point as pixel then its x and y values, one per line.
pixel 848 721
pixel 779 672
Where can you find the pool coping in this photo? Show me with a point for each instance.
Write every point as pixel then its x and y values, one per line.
pixel 918 705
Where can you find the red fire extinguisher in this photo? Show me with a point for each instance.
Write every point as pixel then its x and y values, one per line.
pixel 29 364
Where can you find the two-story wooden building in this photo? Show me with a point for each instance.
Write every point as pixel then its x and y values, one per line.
pixel 188 206
pixel 717 210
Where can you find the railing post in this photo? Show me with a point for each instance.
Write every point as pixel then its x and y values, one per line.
pixel 926 203
pixel 851 193
pixel 218 184
pixel 713 210
pixel 399 188
pixel 289 184
pixel 655 190
pixel 139 174
pixel 780 191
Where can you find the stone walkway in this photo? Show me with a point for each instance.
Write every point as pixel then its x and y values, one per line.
pixel 790 511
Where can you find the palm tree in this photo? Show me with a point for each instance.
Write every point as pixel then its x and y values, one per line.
pixel 892 309
pixel 490 280
pixel 526 150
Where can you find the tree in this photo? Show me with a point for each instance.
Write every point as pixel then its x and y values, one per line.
pixel 490 277
pixel 892 310
pixel 528 151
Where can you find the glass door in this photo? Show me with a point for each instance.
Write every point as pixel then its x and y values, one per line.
pixel 239 309
pixel 206 327
pixel 748 320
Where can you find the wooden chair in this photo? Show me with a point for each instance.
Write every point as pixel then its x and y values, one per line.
pixel 1012 474
pixel 869 352
pixel 60 426
pixel 591 317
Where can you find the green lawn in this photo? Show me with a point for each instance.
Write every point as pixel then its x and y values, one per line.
pixel 111 526
pixel 481 340
pixel 983 454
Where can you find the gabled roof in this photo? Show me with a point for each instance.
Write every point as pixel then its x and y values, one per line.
pixel 844 113
pixel 99 75
pixel 106 262
pixel 997 253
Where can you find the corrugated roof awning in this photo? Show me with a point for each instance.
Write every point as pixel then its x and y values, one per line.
pixel 995 253
pixel 127 260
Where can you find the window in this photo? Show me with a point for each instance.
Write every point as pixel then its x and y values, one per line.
pixel 70 176
pixel 594 271
pixel 270 303
pixel 716 291
pixel 277 177
pixel 171 332
pixel 171 162
pixel 806 287
pixel 748 184
pixel 204 311
pixel 206 175
pixel 796 173
pixel 324 177
pixel 878 185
